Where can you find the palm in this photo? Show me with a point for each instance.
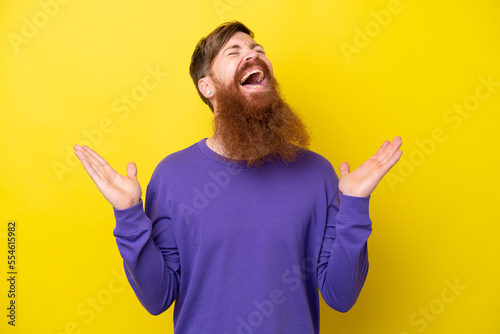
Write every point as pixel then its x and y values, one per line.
pixel 362 181
pixel 121 191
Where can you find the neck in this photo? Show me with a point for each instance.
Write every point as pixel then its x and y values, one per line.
pixel 215 145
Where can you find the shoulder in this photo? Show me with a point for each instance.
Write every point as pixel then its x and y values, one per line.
pixel 314 172
pixel 323 172
pixel 175 165
pixel 316 163
pixel 179 158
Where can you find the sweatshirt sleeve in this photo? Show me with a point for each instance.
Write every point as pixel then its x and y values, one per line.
pixel 343 259
pixel 147 245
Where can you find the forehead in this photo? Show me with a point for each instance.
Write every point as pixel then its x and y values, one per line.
pixel 239 39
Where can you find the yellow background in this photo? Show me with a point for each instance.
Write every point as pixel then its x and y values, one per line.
pixel 435 219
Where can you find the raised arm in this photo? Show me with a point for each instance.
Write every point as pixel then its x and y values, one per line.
pixel 119 190
pixel 144 237
pixel 343 261
pixel 362 181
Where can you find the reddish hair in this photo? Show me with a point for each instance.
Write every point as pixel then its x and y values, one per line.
pixel 208 48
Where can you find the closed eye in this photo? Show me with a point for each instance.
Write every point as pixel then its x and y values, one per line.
pixel 235 53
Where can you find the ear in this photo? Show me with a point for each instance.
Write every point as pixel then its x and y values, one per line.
pixel 205 86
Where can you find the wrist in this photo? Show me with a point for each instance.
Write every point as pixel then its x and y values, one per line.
pixel 126 205
pixel 354 193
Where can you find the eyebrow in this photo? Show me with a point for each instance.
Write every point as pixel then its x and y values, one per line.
pixel 237 47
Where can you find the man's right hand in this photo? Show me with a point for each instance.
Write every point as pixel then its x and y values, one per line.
pixel 121 191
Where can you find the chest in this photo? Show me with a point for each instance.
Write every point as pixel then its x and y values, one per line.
pixel 225 212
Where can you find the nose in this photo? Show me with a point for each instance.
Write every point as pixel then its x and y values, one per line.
pixel 250 54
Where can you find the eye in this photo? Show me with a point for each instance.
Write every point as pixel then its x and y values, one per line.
pixel 261 52
pixel 233 53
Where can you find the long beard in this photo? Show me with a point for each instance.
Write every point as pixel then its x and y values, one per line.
pixel 260 127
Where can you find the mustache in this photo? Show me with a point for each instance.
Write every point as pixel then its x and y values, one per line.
pixel 260 128
pixel 256 62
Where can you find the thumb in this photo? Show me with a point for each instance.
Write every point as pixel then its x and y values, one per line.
pixel 132 170
pixel 344 169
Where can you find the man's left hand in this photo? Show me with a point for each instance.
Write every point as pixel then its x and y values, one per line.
pixel 362 181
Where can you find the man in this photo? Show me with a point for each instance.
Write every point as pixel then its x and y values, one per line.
pixel 241 229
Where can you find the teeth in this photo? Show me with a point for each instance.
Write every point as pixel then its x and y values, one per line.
pixel 261 76
pixel 255 86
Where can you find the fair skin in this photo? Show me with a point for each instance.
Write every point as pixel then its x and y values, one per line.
pixel 124 191
pixel 239 49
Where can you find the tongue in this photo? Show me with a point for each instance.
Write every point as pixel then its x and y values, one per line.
pixel 252 79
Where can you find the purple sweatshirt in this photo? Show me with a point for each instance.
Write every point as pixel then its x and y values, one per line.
pixel 244 250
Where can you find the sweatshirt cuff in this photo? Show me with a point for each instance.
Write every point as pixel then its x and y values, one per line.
pixel 354 209
pixel 130 220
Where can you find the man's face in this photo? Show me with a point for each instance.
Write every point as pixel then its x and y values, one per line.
pixel 251 120
pixel 230 67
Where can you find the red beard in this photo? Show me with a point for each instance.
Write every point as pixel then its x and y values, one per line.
pixel 260 127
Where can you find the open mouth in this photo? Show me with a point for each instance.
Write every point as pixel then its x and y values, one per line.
pixel 253 79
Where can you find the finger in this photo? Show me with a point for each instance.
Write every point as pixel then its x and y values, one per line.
pixel 91 165
pixel 391 162
pixel 380 150
pixel 93 162
pixel 390 150
pixel 395 158
pixel 396 144
pixel 132 170
pixel 104 167
pixel 344 169
pixel 80 152
pixel 83 156
pixel 96 156
pixel 89 168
